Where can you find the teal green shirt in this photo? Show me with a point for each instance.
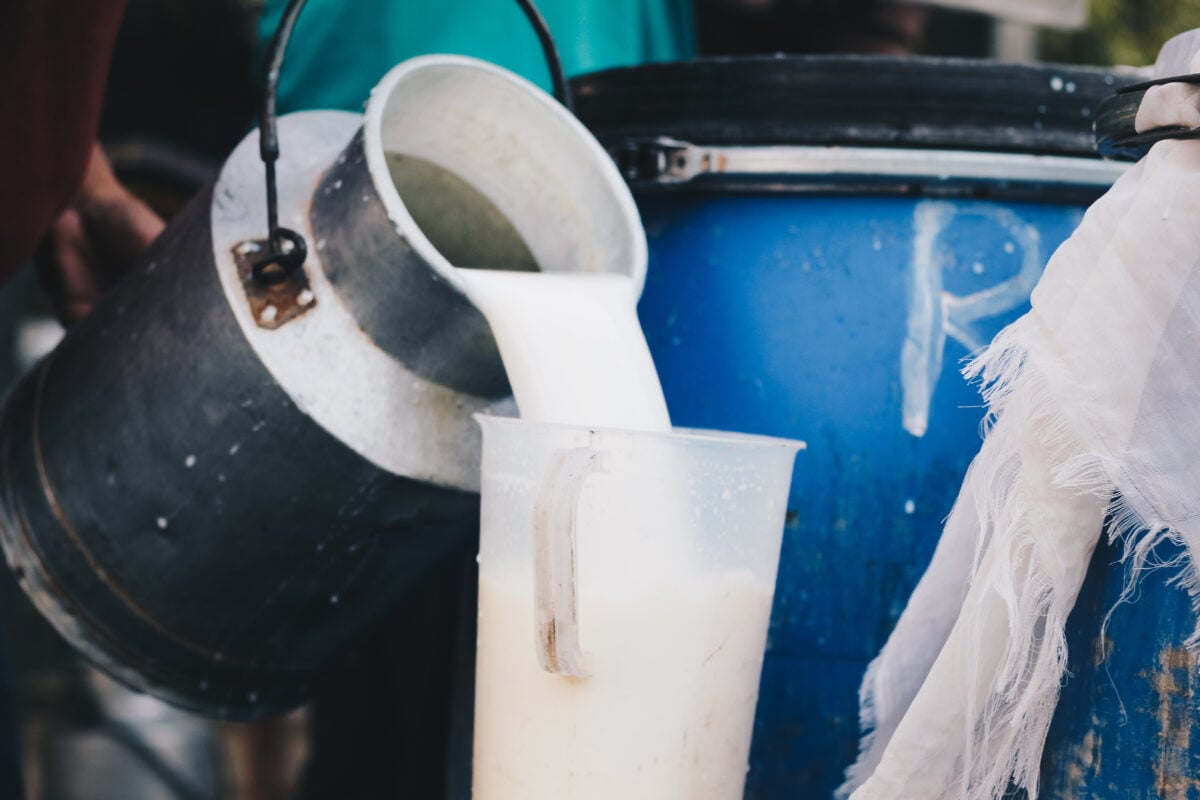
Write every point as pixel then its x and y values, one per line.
pixel 341 48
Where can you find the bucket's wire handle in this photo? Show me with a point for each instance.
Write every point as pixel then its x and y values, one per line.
pixel 285 249
pixel 562 89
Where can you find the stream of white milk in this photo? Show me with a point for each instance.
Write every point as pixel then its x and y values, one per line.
pixel 676 651
pixel 572 347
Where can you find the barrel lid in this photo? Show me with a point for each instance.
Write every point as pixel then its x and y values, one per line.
pixel 868 101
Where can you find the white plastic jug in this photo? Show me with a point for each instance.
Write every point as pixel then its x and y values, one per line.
pixel 624 593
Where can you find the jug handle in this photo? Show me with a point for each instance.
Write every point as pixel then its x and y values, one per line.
pixel 555 581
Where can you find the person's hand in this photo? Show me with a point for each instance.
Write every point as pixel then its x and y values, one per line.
pixel 93 242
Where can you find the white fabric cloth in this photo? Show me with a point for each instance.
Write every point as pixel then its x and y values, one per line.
pixel 1095 397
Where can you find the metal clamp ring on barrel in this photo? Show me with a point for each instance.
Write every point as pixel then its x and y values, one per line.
pixel 664 161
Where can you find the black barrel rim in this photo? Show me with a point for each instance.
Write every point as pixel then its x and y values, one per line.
pixel 908 102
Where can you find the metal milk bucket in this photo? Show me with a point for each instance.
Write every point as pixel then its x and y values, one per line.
pixel 218 480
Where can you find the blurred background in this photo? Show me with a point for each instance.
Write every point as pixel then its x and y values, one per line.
pixel 181 94
pixel 1120 32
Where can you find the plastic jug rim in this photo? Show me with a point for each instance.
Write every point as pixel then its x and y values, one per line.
pixel 688 435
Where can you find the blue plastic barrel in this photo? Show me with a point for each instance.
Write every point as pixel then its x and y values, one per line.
pixel 829 238
pixel 1126 723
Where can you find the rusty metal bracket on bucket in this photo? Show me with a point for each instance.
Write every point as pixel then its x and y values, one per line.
pixel 272 303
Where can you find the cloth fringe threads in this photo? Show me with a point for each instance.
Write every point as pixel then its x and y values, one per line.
pixel 1092 401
